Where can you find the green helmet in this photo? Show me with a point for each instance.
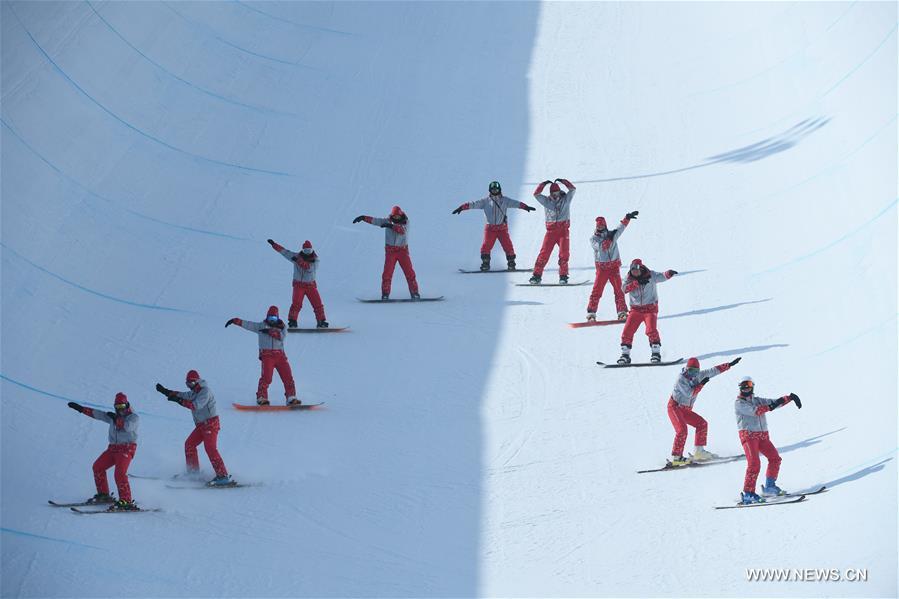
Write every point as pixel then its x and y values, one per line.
pixel 495 188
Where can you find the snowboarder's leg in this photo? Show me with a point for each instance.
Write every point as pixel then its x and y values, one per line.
pixel 675 414
pixel 390 258
pixel 123 459
pixel 296 301
pixel 406 264
pixel 596 293
pixel 506 241
pixel 751 449
pixel 286 375
pixel 549 242
pixel 615 280
pixel 190 449
pixel 210 444
pixel 564 252
pixel 265 379
pixel 652 330
pixel 768 450
pixel 699 423
pixel 631 325
pixel 490 235
pixel 316 300
pixel 105 461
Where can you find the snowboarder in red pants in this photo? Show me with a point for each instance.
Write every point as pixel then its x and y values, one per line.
pixel 753 427
pixel 123 424
pixel 305 265
pixel 641 286
pixel 396 249
pixel 608 263
pixel 557 208
pixel 271 334
pixel 689 383
pixel 201 402
pixel 497 227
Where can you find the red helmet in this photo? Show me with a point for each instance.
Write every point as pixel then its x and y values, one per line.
pixel 636 262
pixel 192 375
pixel 121 399
pixel 554 188
pixel 693 363
pixel 397 211
pixel 600 222
pixel 272 311
pixel 307 244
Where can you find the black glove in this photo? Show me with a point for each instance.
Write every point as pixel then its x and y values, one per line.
pixel 162 390
pixel 632 215
pixel 704 381
pixel 796 401
pixel 735 361
pixel 529 208
pixel 547 182
pixel 556 180
pixel 230 322
pixel 358 219
pixel 776 403
pixel 458 210
pixel 75 406
pixel 271 242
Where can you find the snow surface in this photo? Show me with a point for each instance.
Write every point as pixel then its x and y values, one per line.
pixel 472 446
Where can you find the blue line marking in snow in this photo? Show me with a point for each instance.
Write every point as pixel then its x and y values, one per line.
pixel 858 229
pixel 294 23
pixel 875 329
pixel 200 89
pixel 43 538
pixel 114 203
pixel 129 125
pixel 91 291
pixel 82 402
pixel 859 65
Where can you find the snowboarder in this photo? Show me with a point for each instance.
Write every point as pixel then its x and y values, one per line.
pixel 497 227
pixel 753 426
pixel 608 264
pixel 558 220
pixel 271 334
pixel 641 284
pixel 201 402
pixel 689 383
pixel 123 424
pixel 305 264
pixel 396 249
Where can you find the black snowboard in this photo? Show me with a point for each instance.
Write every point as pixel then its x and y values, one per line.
pixel 396 301
pixel 640 364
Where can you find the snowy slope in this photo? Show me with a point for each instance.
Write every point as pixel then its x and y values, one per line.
pixel 470 447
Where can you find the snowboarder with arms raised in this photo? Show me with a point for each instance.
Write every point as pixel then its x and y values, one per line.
pixel 557 208
pixel 608 264
pixel 641 284
pixel 495 206
pixel 689 383
pixel 123 425
pixel 271 333
pixel 305 265
pixel 396 249
pixel 753 426
pixel 201 402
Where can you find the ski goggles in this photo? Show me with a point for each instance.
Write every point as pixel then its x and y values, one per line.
pixel 307 251
pixel 271 319
pixel 747 386
pixel 120 406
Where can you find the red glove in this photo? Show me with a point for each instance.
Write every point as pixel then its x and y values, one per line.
pixel 540 187
pixel 761 410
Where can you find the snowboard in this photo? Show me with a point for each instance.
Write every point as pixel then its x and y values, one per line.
pixel 317 330
pixel 257 408
pixel 137 511
pixel 595 323
pixel 475 272
pixel 640 364
pixel 578 284
pixel 396 301
pixel 767 503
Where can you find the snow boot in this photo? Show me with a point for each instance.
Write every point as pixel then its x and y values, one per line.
pixel 385 297
pixel 485 262
pixel 101 498
pixel 625 354
pixel 293 401
pixel 510 262
pixel 416 297
pixel 770 488
pixel 622 315
pixel 292 324
pixel 749 497
pixel 123 506
pixel 262 401
pixel 321 324
pixel 656 355
pixel 535 280
pixel 700 454
pixel 221 481
pixel 591 316
pixel 563 279
pixel 678 461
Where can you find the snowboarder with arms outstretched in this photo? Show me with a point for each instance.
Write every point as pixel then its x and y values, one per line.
pixel 557 208
pixel 753 426
pixel 201 402
pixel 641 284
pixel 396 249
pixel 271 333
pixel 305 265
pixel 608 264
pixel 689 383
pixel 123 425
pixel 495 206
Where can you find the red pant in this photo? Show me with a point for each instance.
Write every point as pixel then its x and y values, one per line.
pixel 308 290
pixel 607 272
pixel 641 314
pixel 206 433
pixel 494 232
pixel 275 359
pixel 556 233
pixel 120 456
pixel 392 255
pixel 753 443
pixel 680 417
